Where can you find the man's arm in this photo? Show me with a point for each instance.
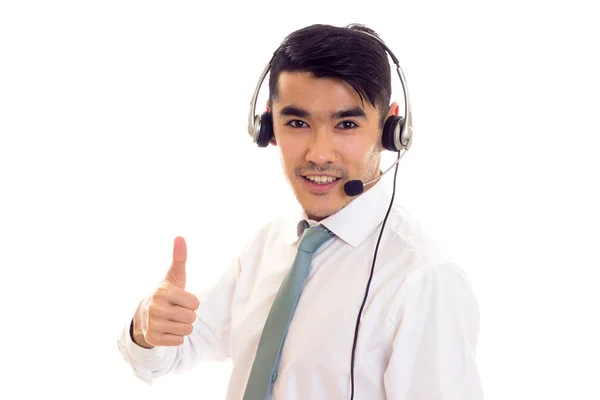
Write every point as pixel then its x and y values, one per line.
pixel 435 341
pixel 208 341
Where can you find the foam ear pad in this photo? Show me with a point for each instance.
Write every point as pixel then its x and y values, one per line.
pixel 392 124
pixel 266 129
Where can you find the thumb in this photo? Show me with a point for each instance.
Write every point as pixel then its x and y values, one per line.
pixel 176 273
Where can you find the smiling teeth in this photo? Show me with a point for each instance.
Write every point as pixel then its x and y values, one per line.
pixel 321 179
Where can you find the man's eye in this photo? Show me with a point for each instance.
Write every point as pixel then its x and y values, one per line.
pixel 297 124
pixel 347 125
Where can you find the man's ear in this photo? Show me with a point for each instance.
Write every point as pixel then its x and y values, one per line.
pixel 393 110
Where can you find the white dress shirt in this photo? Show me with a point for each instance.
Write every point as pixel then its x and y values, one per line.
pixel 418 332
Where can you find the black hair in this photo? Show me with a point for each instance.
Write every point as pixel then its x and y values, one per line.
pixel 338 52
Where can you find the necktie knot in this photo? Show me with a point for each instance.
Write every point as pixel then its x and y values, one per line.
pixel 313 238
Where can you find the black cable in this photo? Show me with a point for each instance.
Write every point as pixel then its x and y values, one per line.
pixel 369 282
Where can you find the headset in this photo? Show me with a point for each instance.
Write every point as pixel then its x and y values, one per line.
pixel 396 137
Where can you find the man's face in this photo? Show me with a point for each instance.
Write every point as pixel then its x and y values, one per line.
pixel 327 137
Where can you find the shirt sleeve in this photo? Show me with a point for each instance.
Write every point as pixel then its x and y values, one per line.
pixel 209 340
pixel 434 343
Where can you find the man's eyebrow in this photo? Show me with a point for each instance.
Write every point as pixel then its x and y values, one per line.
pixel 350 112
pixel 293 111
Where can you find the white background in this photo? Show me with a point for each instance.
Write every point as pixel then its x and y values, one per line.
pixel 123 125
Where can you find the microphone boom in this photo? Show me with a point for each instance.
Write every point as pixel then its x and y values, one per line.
pixel 355 187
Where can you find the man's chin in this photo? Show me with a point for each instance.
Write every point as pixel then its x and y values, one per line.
pixel 319 212
pixel 319 206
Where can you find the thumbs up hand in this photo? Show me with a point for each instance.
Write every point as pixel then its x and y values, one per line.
pixel 166 317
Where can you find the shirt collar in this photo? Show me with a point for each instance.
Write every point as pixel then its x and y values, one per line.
pixel 356 221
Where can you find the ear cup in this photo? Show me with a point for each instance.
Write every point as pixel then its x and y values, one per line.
pixel 266 129
pixel 392 132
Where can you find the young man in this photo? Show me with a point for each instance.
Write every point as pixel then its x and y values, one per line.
pixel 419 320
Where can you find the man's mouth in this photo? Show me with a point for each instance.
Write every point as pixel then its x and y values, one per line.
pixel 320 179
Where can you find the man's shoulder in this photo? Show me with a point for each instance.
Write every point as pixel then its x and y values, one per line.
pixel 407 233
pixel 273 228
pixel 430 266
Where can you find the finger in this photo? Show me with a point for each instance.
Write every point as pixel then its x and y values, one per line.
pixel 170 327
pixel 176 273
pixel 180 297
pixel 164 339
pixel 180 314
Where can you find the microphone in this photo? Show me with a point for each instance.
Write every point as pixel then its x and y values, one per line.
pixel 356 186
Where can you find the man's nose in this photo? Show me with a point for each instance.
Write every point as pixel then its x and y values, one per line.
pixel 321 147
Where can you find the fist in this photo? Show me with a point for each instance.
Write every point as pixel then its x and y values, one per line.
pixel 166 317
